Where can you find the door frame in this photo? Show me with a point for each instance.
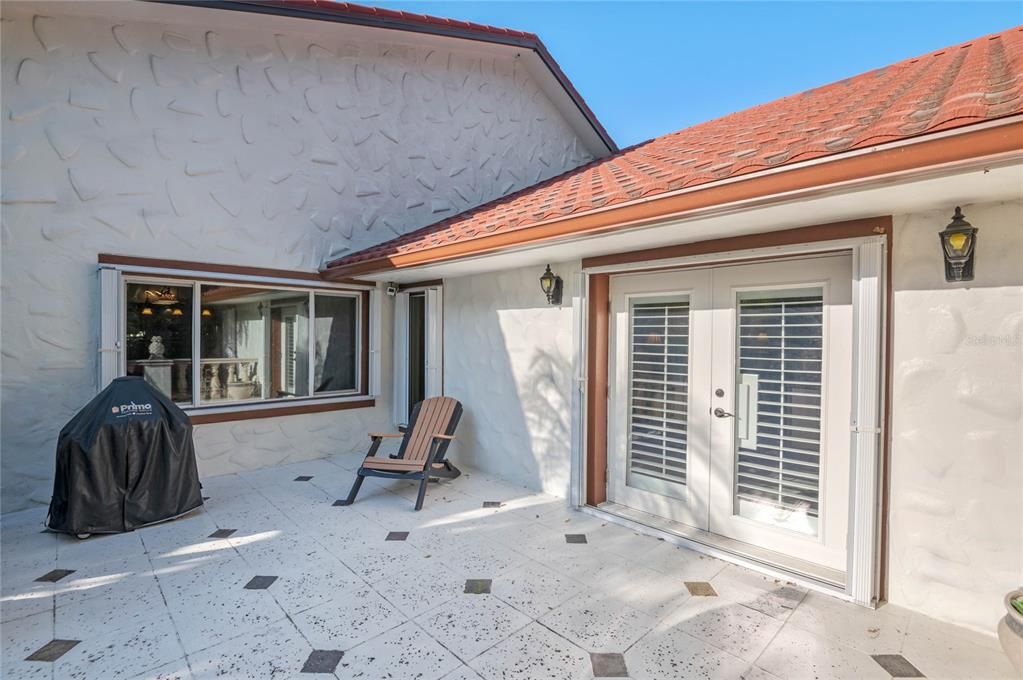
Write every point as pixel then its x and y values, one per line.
pixel 869 243
pixel 434 345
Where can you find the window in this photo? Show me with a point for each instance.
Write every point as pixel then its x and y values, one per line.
pixel 251 343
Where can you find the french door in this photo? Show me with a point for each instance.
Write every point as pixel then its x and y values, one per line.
pixel 730 404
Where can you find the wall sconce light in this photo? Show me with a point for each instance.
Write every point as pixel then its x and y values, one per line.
pixel 551 285
pixel 147 311
pixel 958 243
pixel 177 312
pixel 207 312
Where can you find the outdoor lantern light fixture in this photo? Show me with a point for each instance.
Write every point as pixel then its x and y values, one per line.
pixel 958 242
pixel 550 284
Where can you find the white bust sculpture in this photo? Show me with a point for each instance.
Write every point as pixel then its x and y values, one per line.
pixel 156 347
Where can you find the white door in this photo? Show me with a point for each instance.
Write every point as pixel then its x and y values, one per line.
pixel 780 436
pixel 660 441
pixel 731 398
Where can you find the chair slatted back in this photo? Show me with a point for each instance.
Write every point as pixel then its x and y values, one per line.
pixel 436 415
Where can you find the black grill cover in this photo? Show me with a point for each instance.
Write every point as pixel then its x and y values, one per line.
pixel 124 461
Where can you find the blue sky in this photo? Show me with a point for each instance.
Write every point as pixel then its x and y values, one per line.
pixel 650 68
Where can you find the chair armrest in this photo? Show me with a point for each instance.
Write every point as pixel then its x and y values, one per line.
pixel 449 437
pixel 385 435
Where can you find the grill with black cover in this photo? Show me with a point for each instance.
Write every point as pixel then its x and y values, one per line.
pixel 124 461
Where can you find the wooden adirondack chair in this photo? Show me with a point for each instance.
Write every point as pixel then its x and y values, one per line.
pixel 423 447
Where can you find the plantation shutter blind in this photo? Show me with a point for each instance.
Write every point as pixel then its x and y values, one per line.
pixel 780 354
pixel 658 394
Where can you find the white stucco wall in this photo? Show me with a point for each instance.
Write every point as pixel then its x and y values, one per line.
pixel 228 138
pixel 956 519
pixel 508 358
pixel 956 522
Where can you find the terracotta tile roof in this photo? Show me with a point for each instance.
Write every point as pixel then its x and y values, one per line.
pixel 976 81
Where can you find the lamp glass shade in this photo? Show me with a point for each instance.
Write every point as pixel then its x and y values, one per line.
pixel 547 281
pixel 147 311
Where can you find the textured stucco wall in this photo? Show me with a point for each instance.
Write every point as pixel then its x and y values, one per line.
pixel 508 358
pixel 956 523
pixel 244 140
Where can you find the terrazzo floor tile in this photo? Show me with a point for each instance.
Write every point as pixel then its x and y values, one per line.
pixel 312 584
pixel 175 670
pixel 597 623
pixel 724 624
pixel 534 589
pixel 204 622
pixel 879 631
pixel 27 635
pixel 276 651
pixel 644 589
pixel 129 603
pixel 681 562
pixel 797 654
pixel 110 650
pixel 412 596
pixel 98 548
pixel 462 673
pixel 671 654
pixel 469 625
pixel 402 652
pixel 765 594
pixel 944 652
pixel 534 653
pixel 351 618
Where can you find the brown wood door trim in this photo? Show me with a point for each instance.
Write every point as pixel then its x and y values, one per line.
pixel 597 331
pixel 834 231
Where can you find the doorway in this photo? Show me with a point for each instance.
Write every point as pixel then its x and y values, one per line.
pixel 730 402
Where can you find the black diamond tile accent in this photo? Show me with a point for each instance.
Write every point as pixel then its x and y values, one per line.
pixel 396 536
pixel 608 666
pixel 260 582
pixel 478 586
pixel 322 661
pixel 303 478
pixel 492 504
pixel 575 538
pixel 55 575
pixel 897 666
pixel 52 650
pixel 701 589
pixel 222 533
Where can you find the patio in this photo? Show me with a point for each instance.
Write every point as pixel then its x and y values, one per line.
pixel 488 581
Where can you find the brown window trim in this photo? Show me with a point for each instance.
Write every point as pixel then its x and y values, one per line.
pixel 230 269
pixel 432 283
pixel 197 272
pixel 598 358
pixel 275 412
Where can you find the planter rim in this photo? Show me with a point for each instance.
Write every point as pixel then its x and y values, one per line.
pixel 1013 594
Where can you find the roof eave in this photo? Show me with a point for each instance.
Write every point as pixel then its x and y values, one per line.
pixel 920 154
pixel 309 10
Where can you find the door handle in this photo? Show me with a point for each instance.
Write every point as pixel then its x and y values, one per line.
pixel 722 413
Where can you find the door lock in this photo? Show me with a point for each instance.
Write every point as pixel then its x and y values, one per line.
pixel 722 413
pixel 719 392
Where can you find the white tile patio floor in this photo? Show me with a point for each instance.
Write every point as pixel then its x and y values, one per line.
pixel 170 601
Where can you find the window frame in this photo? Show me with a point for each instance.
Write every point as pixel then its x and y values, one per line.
pixel 209 411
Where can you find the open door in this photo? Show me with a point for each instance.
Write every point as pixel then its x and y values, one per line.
pixel 418 348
